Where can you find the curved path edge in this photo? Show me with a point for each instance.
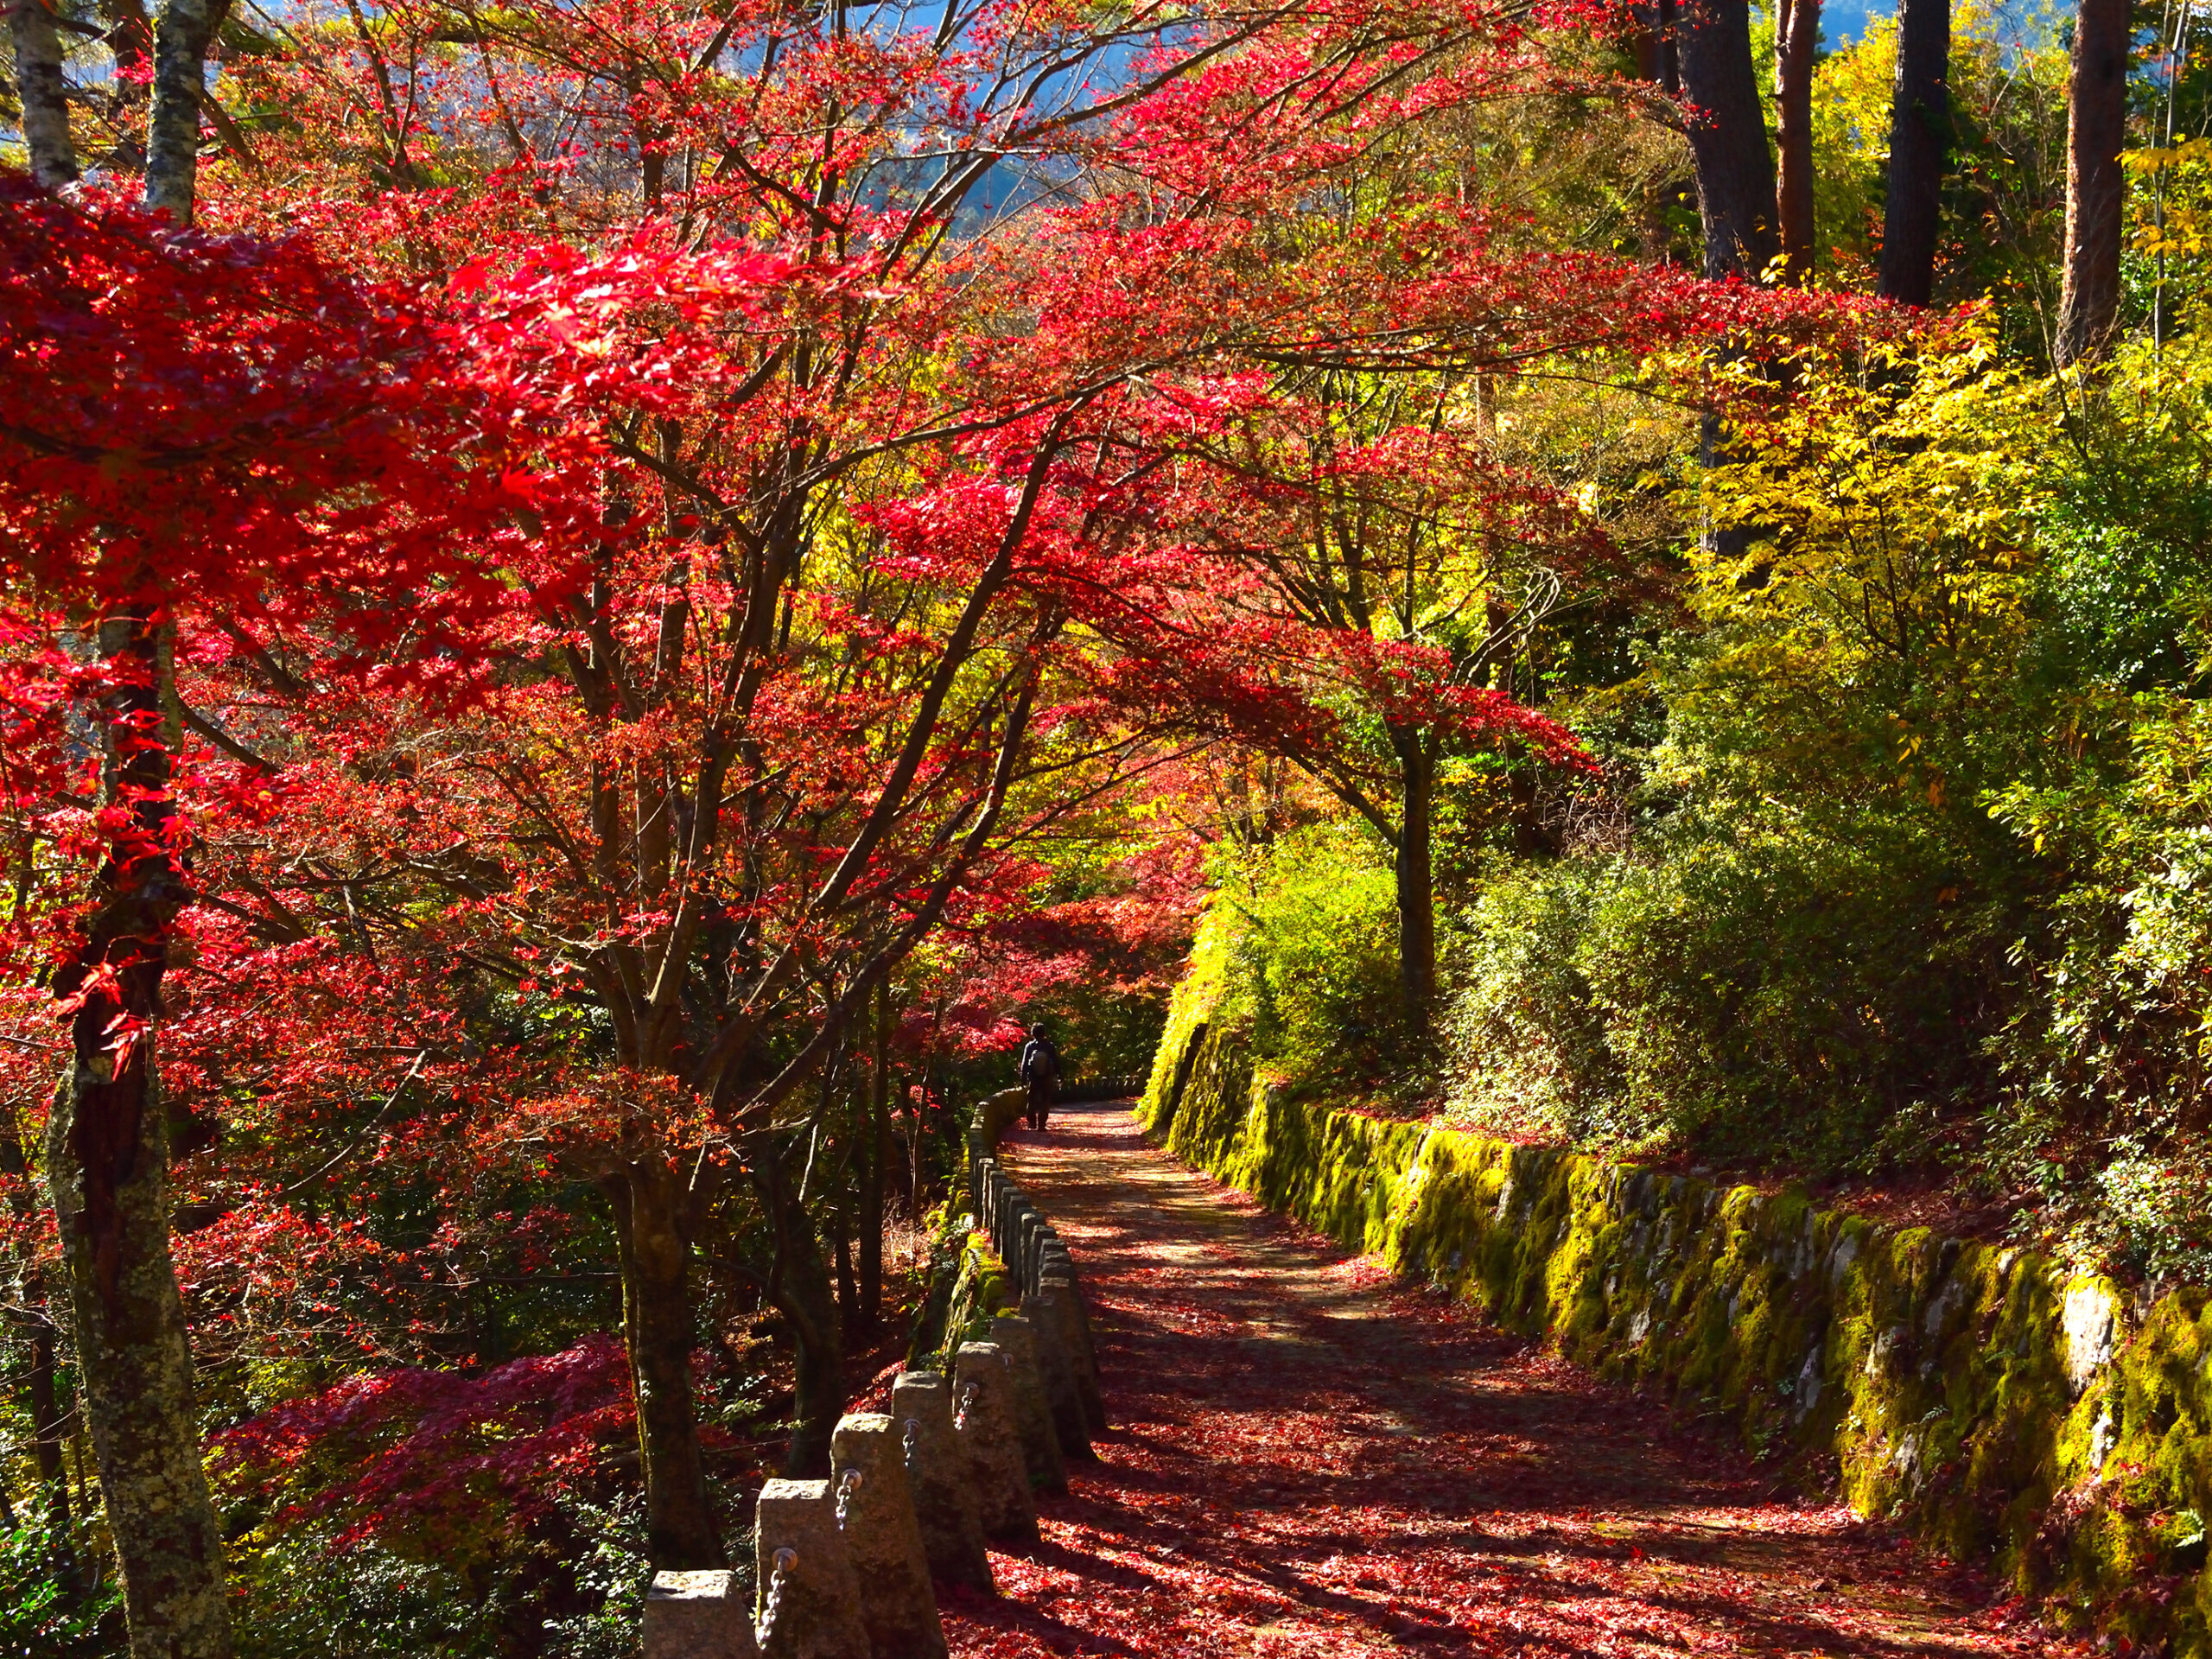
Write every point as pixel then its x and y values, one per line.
pixel 1307 1459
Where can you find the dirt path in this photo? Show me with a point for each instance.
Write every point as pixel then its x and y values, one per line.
pixel 1307 1461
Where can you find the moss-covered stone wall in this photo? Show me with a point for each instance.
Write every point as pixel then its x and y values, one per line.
pixel 1998 1407
pixel 968 1286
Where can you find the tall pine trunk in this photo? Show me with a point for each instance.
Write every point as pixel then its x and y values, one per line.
pixel 2096 132
pixel 1655 59
pixel 1797 31
pixel 41 92
pixel 1920 139
pixel 1735 177
pixel 1727 134
pixel 656 1329
pixel 107 1163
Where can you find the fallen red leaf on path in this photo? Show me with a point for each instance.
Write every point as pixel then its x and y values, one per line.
pixel 1310 1461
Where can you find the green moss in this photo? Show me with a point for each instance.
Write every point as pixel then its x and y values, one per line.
pixel 1976 1394
pixel 948 1240
pixel 980 1287
pixel 1203 996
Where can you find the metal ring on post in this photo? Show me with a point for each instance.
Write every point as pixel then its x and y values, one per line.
pixel 848 1484
pixel 786 1562
pixel 908 1441
pixel 966 1403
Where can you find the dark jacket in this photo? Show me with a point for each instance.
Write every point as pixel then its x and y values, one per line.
pixel 1040 1061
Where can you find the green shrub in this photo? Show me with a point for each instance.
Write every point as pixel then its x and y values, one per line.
pixel 42 1619
pixel 305 1599
pixel 1316 942
pixel 1778 994
pixel 1779 991
pixel 1526 1048
pixel 579 1592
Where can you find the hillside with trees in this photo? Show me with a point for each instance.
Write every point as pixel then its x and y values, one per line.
pixel 599 603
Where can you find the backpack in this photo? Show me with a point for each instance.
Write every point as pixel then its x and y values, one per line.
pixel 1040 1062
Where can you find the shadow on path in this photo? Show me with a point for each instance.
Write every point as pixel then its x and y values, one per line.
pixel 1307 1459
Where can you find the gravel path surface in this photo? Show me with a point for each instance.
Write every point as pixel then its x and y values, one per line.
pixel 1306 1459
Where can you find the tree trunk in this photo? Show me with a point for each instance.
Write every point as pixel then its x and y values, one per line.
pixel 183 31
pixel 680 1530
pixel 1797 31
pixel 875 1170
pixel 916 1123
pixel 849 1294
pixel 47 1420
pixel 107 1163
pixel 42 93
pixel 2096 132
pixel 1727 134
pixel 1656 58
pixel 805 1299
pixel 130 39
pixel 1920 138
pixel 1736 195
pixel 1414 869
pixel 36 1314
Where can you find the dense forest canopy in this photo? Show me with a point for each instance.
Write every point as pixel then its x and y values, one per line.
pixel 601 602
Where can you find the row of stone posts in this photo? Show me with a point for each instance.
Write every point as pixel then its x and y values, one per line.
pixel 844 1567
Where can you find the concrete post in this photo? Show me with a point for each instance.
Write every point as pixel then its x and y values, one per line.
pixel 1033 1241
pixel 1043 1245
pixel 1017 1226
pixel 1058 1263
pixel 989 1432
pixel 1057 1296
pixel 810 1601
pixel 1047 1313
pixel 867 1475
pixel 1016 1338
pixel 698 1616
pixel 944 1491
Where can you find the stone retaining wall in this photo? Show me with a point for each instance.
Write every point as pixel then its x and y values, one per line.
pixel 846 1566
pixel 1998 1406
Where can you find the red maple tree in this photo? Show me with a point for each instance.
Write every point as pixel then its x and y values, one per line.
pixel 571 605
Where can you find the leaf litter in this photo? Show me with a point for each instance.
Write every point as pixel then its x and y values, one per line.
pixel 1309 1457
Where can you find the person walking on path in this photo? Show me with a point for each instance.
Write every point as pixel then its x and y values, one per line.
pixel 1040 1072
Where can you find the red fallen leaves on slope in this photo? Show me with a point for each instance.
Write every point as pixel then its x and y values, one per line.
pixel 1310 1461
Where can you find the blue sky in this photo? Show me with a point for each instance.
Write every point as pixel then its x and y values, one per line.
pixel 1844 20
